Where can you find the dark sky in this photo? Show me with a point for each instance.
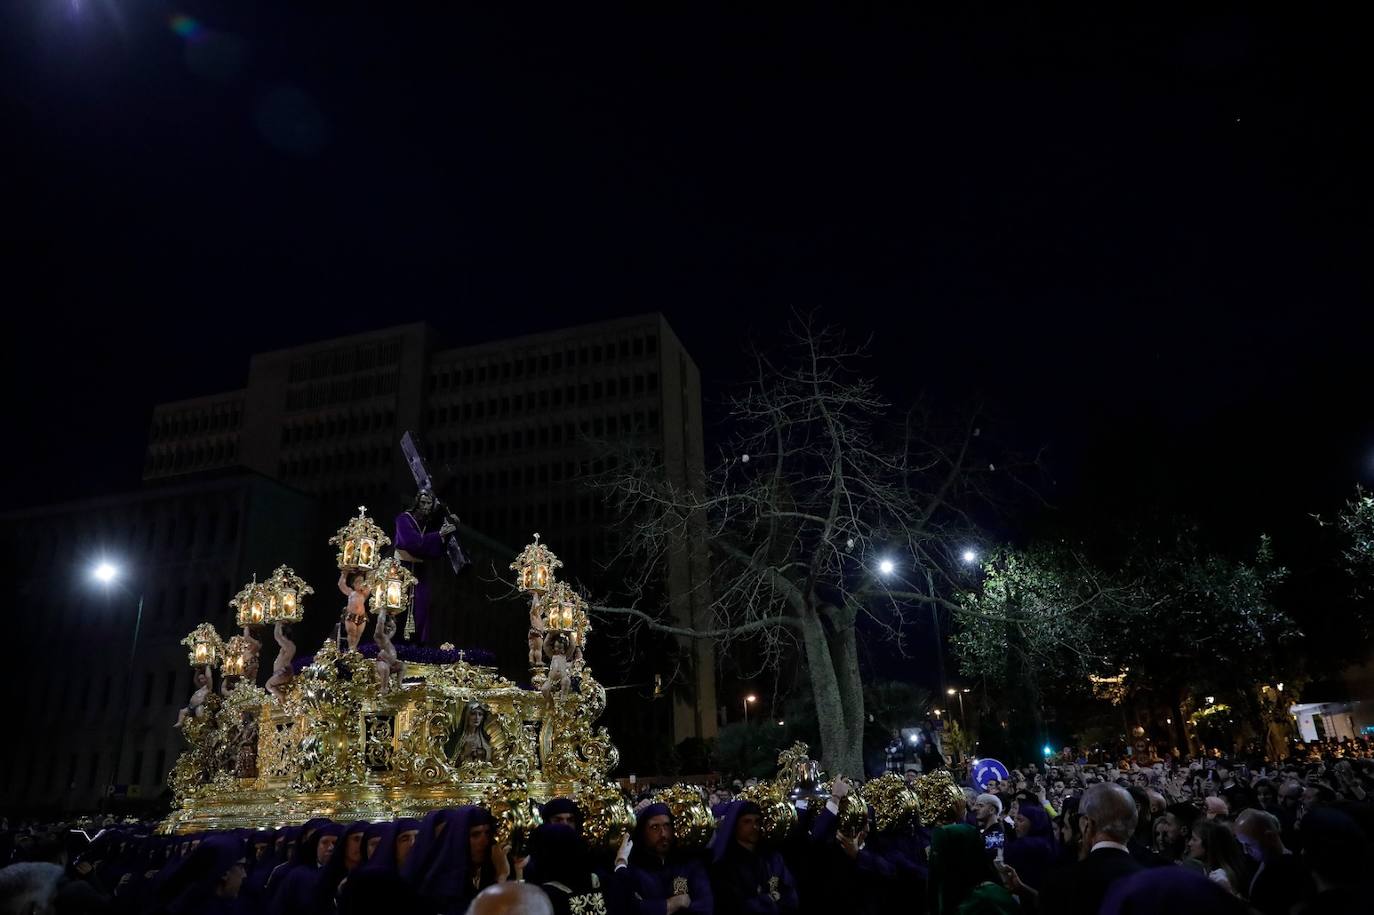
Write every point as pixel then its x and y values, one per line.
pixel 1140 242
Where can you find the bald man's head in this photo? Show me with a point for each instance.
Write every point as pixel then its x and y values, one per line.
pixel 1111 811
pixel 511 899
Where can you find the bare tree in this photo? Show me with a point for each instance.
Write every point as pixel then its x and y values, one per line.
pixel 817 488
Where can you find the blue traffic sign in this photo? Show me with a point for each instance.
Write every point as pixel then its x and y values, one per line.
pixel 987 770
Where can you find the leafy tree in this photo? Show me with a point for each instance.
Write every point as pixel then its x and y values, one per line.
pixel 1178 619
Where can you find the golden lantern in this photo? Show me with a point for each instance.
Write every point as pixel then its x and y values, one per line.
pixel 240 660
pixel 286 592
pixel 393 588
pixel 360 543
pixel 535 567
pixel 251 604
pixel 565 611
pixel 205 646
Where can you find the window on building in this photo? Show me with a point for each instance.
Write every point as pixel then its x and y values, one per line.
pixel 169 693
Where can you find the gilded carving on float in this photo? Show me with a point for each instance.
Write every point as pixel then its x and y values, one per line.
pixel 339 743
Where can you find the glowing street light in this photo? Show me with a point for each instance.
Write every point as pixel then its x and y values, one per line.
pixel 887 566
pixel 107 573
pixel 969 557
pixel 963 718
pixel 748 699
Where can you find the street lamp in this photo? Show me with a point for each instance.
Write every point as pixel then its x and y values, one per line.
pixel 963 718
pixel 969 557
pixel 748 699
pixel 887 566
pixel 107 573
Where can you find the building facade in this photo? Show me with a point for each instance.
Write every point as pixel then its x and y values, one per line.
pixel 104 673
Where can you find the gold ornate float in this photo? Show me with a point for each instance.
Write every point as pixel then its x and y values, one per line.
pixel 343 741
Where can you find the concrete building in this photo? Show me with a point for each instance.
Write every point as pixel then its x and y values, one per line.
pixel 88 719
pixel 507 426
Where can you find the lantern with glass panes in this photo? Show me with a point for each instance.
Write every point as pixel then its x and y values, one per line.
pixel 286 592
pixel 393 588
pixel 251 604
pixel 534 568
pixel 360 543
pixel 205 646
pixel 565 611
pixel 240 658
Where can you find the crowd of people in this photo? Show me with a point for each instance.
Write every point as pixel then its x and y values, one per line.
pixel 1177 836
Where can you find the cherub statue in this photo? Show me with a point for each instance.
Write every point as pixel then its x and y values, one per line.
pixel 250 660
pixel 536 636
pixel 281 667
pixel 387 664
pixel 205 679
pixel 560 677
pixel 354 586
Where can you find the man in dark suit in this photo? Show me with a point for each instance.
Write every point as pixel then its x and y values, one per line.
pixel 1281 881
pixel 1107 815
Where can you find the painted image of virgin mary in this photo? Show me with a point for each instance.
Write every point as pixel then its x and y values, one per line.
pixel 472 743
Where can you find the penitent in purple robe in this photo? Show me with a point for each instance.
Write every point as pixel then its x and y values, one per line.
pixel 417 549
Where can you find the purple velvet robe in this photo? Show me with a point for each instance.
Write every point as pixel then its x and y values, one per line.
pixel 644 887
pixel 428 547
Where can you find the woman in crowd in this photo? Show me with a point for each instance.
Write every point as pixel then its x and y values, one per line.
pixel 1214 844
pixel 1032 850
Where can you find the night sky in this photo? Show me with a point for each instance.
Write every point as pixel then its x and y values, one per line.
pixel 1143 244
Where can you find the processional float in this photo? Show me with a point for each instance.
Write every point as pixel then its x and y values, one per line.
pixel 393 732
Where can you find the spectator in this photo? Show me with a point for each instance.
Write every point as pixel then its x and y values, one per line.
pixel 1213 844
pixel 1161 890
pixel 987 812
pixel 29 888
pixel 1335 852
pixel 511 899
pixel 1215 808
pixel 1031 849
pixel 1107 815
pixel 1280 882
